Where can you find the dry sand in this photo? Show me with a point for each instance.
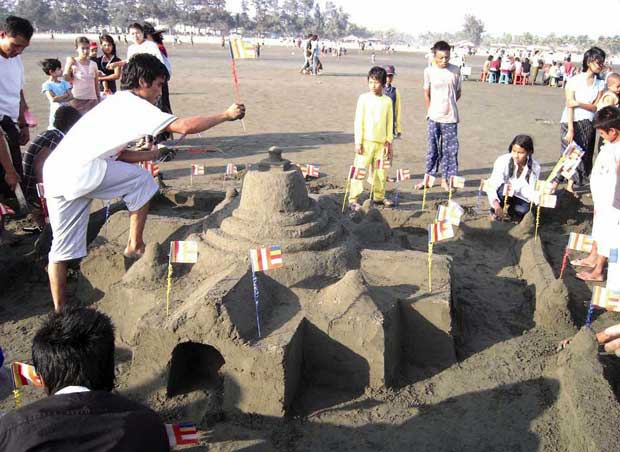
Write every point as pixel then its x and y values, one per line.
pixel 510 391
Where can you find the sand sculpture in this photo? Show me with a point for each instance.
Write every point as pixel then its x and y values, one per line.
pixel 338 314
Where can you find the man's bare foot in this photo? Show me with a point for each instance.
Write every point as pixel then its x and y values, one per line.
pixel 134 253
pixel 590 276
pixel 419 186
pixel 583 263
pixel 570 187
pixel 444 185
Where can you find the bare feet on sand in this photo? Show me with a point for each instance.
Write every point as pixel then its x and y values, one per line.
pixel 590 276
pixel 585 262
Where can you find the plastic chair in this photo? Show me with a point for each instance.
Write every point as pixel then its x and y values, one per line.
pixel 504 79
pixel 520 79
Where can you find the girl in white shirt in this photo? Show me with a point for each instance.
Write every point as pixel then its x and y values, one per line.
pixel 518 169
pixel 83 74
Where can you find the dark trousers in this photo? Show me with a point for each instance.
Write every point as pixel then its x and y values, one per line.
pixel 12 137
pixel 517 207
pixel 164 105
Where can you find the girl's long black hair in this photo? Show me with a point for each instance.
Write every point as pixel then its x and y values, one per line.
pixel 526 142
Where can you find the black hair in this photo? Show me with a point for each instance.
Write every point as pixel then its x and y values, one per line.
pixel 142 66
pixel 156 35
pixel 441 46
pixel 82 40
pixel 18 26
pixel 137 26
pixel 110 40
pixel 378 73
pixel 592 54
pixel 65 118
pixel 75 347
pixel 490 58
pixel 526 142
pixel 607 118
pixel 49 65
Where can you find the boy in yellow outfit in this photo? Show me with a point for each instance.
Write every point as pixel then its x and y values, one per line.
pixel 374 133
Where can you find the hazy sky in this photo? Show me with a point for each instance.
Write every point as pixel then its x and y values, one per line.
pixel 540 17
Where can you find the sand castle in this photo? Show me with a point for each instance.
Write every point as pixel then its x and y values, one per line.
pixel 337 314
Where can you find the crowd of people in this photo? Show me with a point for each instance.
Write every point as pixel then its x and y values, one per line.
pixel 74 350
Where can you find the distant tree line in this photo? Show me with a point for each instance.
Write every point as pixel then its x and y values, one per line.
pixel 260 17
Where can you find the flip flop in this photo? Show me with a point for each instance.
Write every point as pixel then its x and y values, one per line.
pixel 588 278
pixel 580 263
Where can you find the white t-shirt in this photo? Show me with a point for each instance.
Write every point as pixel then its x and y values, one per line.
pixel 584 94
pixel 11 83
pixel 523 189
pixel 604 179
pixel 77 166
pixel 146 47
pixel 444 85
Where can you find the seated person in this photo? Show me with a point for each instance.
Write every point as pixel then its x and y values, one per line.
pixel 73 353
pixel 42 146
pixel 519 169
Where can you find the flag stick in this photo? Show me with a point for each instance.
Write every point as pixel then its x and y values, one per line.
pixel 450 194
pixel 589 316
pixel 564 262
pixel 505 208
pixel 531 205
pixel 430 266
pixel 169 288
pixel 346 193
pixel 555 169
pixel 107 216
pixel 256 296
pixel 17 397
pixel 424 196
pixel 537 223
pixel 236 84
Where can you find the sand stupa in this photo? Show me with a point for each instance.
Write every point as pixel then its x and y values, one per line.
pixel 348 310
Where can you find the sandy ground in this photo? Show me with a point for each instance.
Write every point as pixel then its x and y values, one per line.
pixel 501 395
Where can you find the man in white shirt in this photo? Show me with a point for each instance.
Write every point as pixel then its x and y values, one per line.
pixel 82 168
pixel 15 34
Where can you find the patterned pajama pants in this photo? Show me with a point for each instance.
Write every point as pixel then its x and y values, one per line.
pixel 443 147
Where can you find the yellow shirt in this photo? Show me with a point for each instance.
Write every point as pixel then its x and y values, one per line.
pixel 374 119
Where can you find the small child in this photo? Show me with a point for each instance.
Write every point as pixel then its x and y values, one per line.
pixel 390 91
pixel 442 90
pixel 554 74
pixel 611 97
pixel 57 91
pixel 519 169
pixel 603 183
pixel 374 133
pixel 84 75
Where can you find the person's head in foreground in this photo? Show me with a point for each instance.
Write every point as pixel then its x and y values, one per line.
pixel 607 122
pixel 15 34
pixel 145 75
pixel 441 54
pixel 51 67
pixel 82 47
pixel 376 80
pixel 65 118
pixel 593 60
pixel 75 347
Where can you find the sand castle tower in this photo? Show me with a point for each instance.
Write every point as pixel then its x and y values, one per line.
pixel 347 311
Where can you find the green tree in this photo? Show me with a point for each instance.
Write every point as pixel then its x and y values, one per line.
pixel 473 29
pixel 36 11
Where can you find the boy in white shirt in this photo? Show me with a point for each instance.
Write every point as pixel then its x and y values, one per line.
pixel 80 169
pixel 603 183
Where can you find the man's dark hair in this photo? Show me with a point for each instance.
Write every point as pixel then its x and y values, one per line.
pixel 142 66
pixel 18 26
pixel 65 117
pixel 49 65
pixel 137 26
pixel 378 73
pixel 81 40
pixel 75 347
pixel 156 35
pixel 607 118
pixel 441 46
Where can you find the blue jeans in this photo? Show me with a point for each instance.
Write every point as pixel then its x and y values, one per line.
pixel 315 63
pixel 517 207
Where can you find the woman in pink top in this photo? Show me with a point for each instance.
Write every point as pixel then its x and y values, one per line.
pixel 83 74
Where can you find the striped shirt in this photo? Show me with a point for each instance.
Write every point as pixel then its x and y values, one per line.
pixel 48 139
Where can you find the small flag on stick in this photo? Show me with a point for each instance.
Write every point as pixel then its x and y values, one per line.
pixel 428 183
pixel 383 164
pixel 543 200
pixel 151 167
pixel 262 259
pixel 239 49
pixel 231 169
pixel 181 252
pixel 457 182
pixel 6 210
pixel 356 173
pixel 439 231
pixel 403 174
pixel 451 213
pixel 309 170
pixel 181 434
pixel 198 170
pixel 25 375
pixel 580 242
pixel 606 299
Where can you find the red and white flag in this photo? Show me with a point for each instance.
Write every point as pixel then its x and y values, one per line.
pixel 151 167
pixel 403 174
pixel 184 252
pixel 181 434
pixel 198 170
pixel 429 180
pixel 606 299
pixel 6 210
pixel 580 242
pixel 383 164
pixel 309 170
pixel 439 231
pixel 451 213
pixel 457 182
pixel 25 375
pixel 356 173
pixel 266 258
pixel 231 169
